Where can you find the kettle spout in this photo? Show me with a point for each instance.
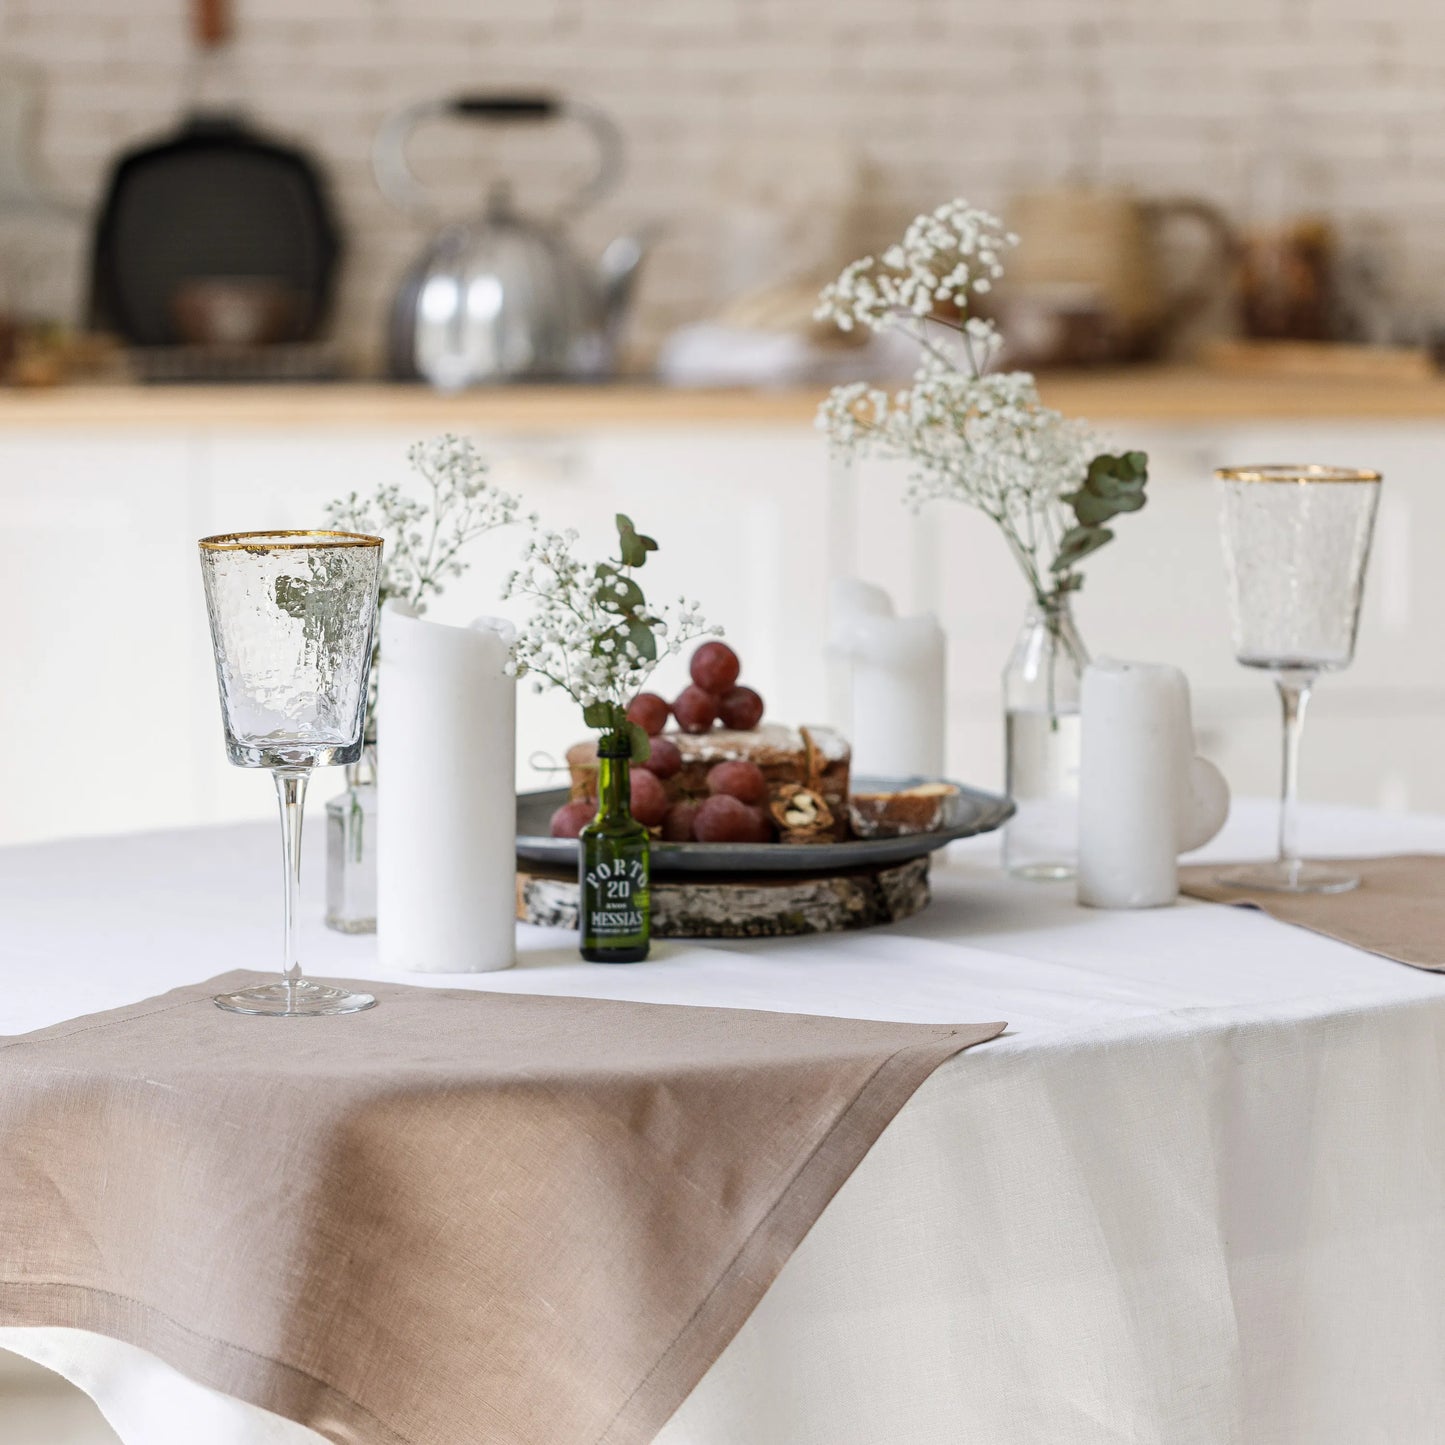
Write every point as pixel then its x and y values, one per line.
pixel 617 278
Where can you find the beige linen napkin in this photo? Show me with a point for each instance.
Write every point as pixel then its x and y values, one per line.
pixel 1398 911
pixel 458 1219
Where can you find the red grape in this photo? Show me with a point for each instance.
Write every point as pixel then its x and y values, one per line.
pixel 739 779
pixel 722 819
pixel 569 820
pixel 695 710
pixel 649 798
pixel 715 667
pixel 677 825
pixel 649 712
pixel 664 761
pixel 740 708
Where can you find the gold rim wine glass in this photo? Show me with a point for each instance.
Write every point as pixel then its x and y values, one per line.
pixel 1296 540
pixel 292 616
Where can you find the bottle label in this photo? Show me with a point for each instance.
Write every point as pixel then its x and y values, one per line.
pixel 614 891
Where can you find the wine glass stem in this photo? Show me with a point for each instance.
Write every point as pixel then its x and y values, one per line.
pixel 1294 696
pixel 291 795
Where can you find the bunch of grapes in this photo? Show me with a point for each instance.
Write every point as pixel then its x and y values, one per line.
pixel 713 697
pixel 735 810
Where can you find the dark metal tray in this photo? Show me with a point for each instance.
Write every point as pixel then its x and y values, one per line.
pixel 970 812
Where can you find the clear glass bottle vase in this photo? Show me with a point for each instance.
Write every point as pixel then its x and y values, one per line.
pixel 1043 733
pixel 351 819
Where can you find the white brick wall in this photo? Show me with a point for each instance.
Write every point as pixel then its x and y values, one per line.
pixel 773 102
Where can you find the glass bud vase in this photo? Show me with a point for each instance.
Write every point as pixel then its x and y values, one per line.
pixel 351 849
pixel 1042 736
pixel 614 865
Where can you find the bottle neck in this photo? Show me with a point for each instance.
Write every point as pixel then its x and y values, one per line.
pixel 1053 622
pixel 1057 610
pixel 362 773
pixel 614 781
pixel 1048 659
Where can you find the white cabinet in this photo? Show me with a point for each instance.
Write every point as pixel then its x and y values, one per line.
pixel 108 712
pixel 96 633
pixel 109 718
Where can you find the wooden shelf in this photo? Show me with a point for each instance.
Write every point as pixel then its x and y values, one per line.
pixel 1167 395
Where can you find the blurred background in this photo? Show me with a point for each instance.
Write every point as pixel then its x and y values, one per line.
pixel 251 249
pixel 768 141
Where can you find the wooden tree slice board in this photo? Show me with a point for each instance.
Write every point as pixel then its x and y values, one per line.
pixel 765 905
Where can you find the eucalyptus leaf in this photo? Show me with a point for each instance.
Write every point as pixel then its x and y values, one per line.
pixel 641 743
pixel 1077 543
pixel 599 715
pixel 1112 486
pixel 632 546
pixel 1105 484
pixel 1112 477
pixel 643 638
pixel 1091 510
pixel 622 595
pixel 625 527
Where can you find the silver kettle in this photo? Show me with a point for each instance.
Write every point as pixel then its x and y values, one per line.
pixel 502 297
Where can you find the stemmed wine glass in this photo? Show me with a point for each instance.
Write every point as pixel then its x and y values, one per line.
pixel 1296 539
pixel 292 616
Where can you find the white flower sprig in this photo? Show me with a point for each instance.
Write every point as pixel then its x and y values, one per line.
pixel 946 258
pixel 426 536
pixel 971 436
pixel 592 633
pixel 986 441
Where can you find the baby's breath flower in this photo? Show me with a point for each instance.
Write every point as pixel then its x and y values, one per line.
pixel 969 435
pixel 425 536
pixel 943 256
pixel 576 639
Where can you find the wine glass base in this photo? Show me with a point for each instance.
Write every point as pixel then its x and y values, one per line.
pixel 1296 877
pixel 302 999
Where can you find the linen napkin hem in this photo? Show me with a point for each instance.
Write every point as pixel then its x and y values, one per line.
pixel 1397 911
pixel 757 1264
pixel 260 1380
pixel 397 1120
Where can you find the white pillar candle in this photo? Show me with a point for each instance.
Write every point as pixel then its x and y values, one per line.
pixel 898 686
pixel 446 796
pixel 1143 796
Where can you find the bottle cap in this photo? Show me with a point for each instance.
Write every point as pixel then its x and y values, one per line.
pixel 614 745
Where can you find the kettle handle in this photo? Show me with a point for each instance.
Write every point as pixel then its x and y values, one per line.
pixel 1223 248
pixel 398 183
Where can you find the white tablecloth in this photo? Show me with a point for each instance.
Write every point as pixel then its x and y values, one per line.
pixel 1195 1195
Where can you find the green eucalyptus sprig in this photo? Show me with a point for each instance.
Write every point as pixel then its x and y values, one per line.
pixel 592 632
pixel 634 633
pixel 1112 485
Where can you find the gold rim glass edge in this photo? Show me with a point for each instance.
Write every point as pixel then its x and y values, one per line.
pixel 1295 472
pixel 250 541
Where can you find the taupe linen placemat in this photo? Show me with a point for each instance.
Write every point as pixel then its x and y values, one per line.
pixel 461 1218
pixel 1398 911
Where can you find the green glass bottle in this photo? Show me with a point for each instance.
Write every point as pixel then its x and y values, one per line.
pixel 614 865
